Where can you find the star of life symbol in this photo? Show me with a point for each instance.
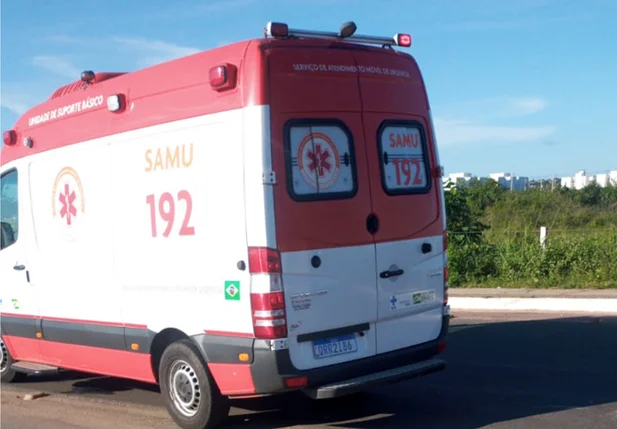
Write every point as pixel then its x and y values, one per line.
pixel 68 197
pixel 318 160
pixel 67 200
pixel 393 302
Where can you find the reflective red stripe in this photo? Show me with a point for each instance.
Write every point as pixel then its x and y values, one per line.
pixel 113 363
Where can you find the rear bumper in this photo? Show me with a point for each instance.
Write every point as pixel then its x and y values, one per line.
pixel 270 368
pixel 357 384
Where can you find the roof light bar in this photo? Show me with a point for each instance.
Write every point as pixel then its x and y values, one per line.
pixel 280 30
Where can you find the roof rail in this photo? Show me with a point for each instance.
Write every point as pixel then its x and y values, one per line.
pixel 279 30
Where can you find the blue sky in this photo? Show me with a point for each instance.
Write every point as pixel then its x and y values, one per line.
pixel 523 86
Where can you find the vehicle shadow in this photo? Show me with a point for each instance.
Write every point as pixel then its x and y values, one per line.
pixel 85 383
pixel 497 372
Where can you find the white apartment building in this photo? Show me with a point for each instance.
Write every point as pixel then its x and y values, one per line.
pixel 517 183
pixel 580 179
pixel 510 182
pixel 506 180
pixel 458 178
pixel 607 179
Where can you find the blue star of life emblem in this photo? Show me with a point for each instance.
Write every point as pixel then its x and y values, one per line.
pixel 393 302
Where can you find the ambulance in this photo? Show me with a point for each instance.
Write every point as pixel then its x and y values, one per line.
pixel 260 218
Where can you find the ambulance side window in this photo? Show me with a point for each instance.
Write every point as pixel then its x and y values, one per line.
pixel 8 209
pixel 320 160
pixel 403 158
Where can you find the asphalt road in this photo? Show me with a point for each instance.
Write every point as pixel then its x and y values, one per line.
pixel 504 372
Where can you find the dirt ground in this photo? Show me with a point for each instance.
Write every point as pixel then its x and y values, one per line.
pixel 50 412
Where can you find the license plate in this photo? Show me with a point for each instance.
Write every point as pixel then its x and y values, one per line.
pixel 336 346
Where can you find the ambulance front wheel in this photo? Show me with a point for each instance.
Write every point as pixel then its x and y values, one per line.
pixel 190 393
pixel 8 375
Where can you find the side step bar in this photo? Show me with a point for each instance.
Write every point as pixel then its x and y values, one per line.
pixel 379 378
pixel 32 368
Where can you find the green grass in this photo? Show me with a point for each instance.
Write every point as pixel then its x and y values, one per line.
pixel 494 237
pixel 569 260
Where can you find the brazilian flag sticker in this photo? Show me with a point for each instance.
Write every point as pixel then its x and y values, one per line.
pixel 232 290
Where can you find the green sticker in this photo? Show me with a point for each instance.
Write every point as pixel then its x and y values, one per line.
pixel 232 290
pixel 15 304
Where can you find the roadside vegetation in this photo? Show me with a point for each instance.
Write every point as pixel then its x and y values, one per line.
pixel 494 236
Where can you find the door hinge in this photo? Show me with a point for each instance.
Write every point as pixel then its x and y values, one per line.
pixel 269 177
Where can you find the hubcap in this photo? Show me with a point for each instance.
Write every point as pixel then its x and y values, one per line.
pixel 4 356
pixel 184 388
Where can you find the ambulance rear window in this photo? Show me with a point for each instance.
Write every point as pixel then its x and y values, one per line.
pixel 320 160
pixel 403 158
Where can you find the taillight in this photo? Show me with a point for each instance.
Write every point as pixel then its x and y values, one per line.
pixel 267 297
pixel 446 287
pixel 446 269
pixel 296 381
pixel 446 278
pixel 264 261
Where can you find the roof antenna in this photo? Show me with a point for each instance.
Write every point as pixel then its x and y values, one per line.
pixel 347 29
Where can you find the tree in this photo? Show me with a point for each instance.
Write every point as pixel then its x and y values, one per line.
pixel 464 225
pixel 484 194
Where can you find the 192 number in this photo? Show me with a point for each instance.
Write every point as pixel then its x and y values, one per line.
pixel 404 171
pixel 167 211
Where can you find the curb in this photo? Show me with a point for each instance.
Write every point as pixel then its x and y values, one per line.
pixel 575 305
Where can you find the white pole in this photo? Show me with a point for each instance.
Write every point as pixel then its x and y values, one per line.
pixel 543 233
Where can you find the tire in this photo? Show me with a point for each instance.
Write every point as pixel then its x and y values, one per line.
pixel 200 405
pixel 8 375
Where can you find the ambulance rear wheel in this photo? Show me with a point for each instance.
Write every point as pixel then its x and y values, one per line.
pixel 8 375
pixel 190 393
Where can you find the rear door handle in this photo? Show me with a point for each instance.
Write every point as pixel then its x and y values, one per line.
pixel 393 273
pixel 19 267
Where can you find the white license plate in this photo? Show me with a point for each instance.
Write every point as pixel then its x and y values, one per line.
pixel 335 346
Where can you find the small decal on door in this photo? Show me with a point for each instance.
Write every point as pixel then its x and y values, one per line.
pixel 295 326
pixel 15 304
pixel 410 299
pixel 232 290
pixel 304 301
pixel 301 303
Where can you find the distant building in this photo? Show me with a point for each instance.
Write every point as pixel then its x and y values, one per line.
pixel 506 180
pixel 459 178
pixel 510 182
pixel 607 179
pixel 580 180
pixel 517 183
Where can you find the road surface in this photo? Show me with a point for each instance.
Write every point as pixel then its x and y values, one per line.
pixel 522 371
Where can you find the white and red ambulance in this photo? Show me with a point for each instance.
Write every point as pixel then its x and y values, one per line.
pixel 259 218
